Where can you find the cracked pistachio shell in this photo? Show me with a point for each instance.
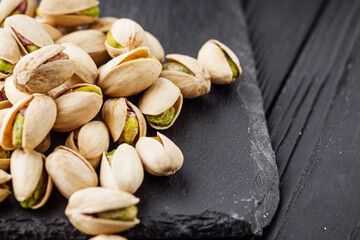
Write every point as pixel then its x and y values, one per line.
pixel 30 29
pixel 12 93
pixel 7 7
pixel 129 74
pixel 91 41
pixel 44 145
pixel 39 119
pixel 70 171
pixel 114 115
pixel 4 162
pixel 26 169
pixel 34 74
pixel 160 157
pixel 103 24
pixel 108 237
pixel 74 80
pixel 125 173
pixel 4 191
pixel 162 95
pixel 9 50
pixel 155 47
pixel 62 12
pixel 92 140
pixel 54 33
pixel 212 57
pixel 129 34
pixel 190 86
pixel 4 103
pixel 92 200
pixel 75 108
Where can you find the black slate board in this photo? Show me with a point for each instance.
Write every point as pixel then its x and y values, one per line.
pixel 228 186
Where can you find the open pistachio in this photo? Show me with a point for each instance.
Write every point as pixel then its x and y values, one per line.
pixel 54 33
pixel 9 53
pixel 28 122
pixel 70 171
pixel 28 33
pixel 31 183
pixel 161 104
pixel 13 7
pixel 91 140
pixel 108 237
pixel 124 36
pixel 69 12
pixel 12 93
pixel 43 70
pixel 99 210
pixel 155 47
pixel 122 169
pixel 129 74
pixel 222 63
pixel 124 120
pixel 76 106
pixel 4 102
pixel 4 189
pixel 188 74
pixel 103 24
pixel 159 155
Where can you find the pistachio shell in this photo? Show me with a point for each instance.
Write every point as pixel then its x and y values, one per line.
pixel 114 115
pixel 30 29
pixel 103 24
pixel 7 7
pixel 126 75
pixel 9 50
pixel 190 86
pixel 12 93
pixel 5 103
pixel 160 157
pixel 54 33
pixel 44 145
pixel 4 162
pixel 125 173
pixel 74 80
pixel 70 171
pixel 93 200
pixel 74 109
pixel 108 237
pixel 4 192
pixel 26 169
pixel 92 140
pixel 34 73
pixel 156 49
pixel 39 119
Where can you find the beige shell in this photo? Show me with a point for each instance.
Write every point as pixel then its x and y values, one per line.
pixel 30 29
pixel 114 115
pixel 92 140
pixel 88 201
pixel 160 157
pixel 26 169
pixel 103 24
pixel 125 173
pixel 74 80
pixel 39 119
pixel 54 33
pixel 128 34
pixel 7 7
pixel 108 237
pixel 4 191
pixel 74 109
pixel 4 162
pixel 126 75
pixel 91 41
pixel 70 171
pixel 212 57
pixel 160 97
pixel 5 103
pixel 12 93
pixel 33 74
pixel 44 145
pixel 190 86
pixel 156 49
pixel 9 50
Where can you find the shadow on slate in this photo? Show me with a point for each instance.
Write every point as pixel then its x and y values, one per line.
pixel 228 186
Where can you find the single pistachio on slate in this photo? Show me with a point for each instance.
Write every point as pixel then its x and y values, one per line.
pixel 121 169
pixel 9 53
pixel 99 210
pixel 108 237
pixel 4 154
pixel 44 145
pixel 4 189
pixel 124 120
pixel 155 47
pixel 70 171
pixel 43 70
pixel 28 122
pixel 4 102
pixel 129 74
pixel 13 7
pixel 29 34
pixel 222 63
pixel 188 74
pixel 76 106
pixel 91 140
pixel 54 33
pixel 12 93
pixel 125 35
pixel 159 155
pixel 91 41
pixel 161 104
pixel 69 12
pixel 103 24
pixel 31 183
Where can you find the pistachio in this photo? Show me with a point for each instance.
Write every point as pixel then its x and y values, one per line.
pixel 155 47
pixel 103 24
pixel 111 41
pixel 108 237
pixel 9 53
pixel 4 189
pixel 163 119
pixel 222 64
pixel 98 210
pixel 13 7
pixel 12 93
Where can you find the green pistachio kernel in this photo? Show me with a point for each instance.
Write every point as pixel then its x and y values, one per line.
pixel 91 12
pixel 38 193
pixel 233 66
pixel 111 41
pixel 31 48
pixel 4 153
pixel 5 67
pixel 17 130
pixel 111 153
pixel 131 130
pixel 124 214
pixel 174 66
pixel 162 119
pixel 89 89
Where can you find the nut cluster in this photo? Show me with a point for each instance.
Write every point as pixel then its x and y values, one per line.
pixel 57 77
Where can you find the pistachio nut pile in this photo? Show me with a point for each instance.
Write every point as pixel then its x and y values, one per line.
pixel 57 75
